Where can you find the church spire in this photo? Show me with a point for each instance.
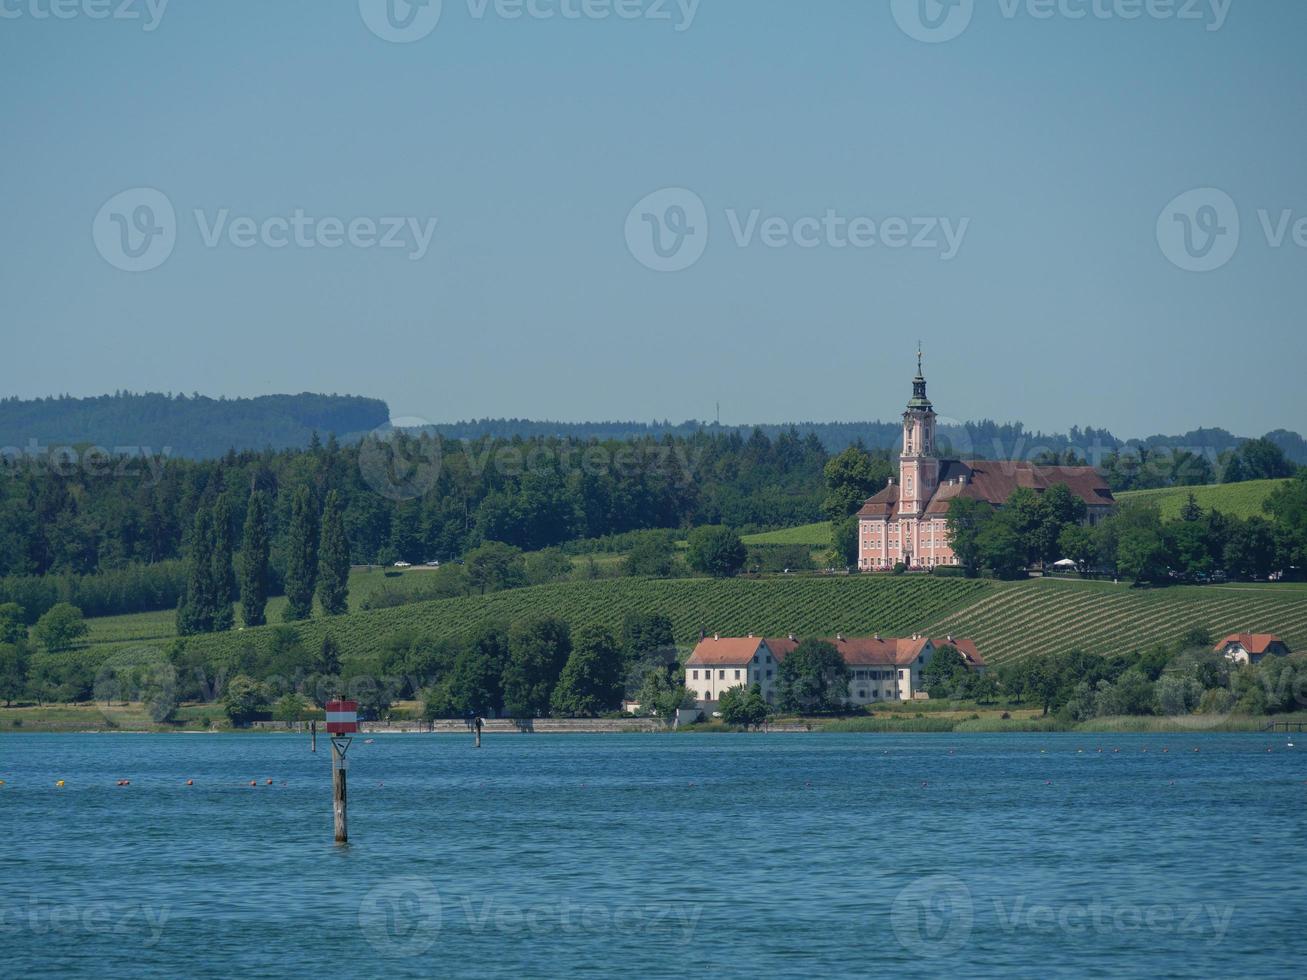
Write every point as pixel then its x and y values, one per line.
pixel 919 399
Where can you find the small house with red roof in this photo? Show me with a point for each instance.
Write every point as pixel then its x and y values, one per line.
pixel 1251 648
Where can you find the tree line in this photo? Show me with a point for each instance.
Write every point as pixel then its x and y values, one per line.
pixel 1184 678
pixel 531 494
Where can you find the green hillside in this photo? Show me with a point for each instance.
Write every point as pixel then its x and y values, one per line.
pixel 1236 499
pixel 857 604
pixel 1009 620
pixel 1018 619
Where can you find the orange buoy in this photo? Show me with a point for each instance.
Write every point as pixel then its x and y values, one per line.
pixel 190 782
pixel 269 783
pixel 254 782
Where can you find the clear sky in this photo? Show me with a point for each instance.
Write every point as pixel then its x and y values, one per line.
pixel 1046 145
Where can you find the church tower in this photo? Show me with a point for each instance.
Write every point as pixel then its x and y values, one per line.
pixel 918 465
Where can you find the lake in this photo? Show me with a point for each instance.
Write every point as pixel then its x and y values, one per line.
pixel 666 855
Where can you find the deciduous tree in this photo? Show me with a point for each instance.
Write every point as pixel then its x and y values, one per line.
pixel 591 680
pixel 813 678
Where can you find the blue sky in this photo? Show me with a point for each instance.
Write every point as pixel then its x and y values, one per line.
pixel 1049 145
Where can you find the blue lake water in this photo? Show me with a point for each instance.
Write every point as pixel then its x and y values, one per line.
pixel 733 855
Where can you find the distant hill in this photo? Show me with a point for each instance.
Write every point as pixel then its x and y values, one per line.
pixel 188 425
pixel 985 438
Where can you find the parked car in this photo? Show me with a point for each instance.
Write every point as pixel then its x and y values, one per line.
pixel 403 564
pixel 433 564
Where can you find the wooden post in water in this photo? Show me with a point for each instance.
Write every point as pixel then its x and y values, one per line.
pixel 342 721
pixel 338 798
pixel 477 725
pixel 313 736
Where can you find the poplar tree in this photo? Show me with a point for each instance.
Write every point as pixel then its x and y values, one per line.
pixel 255 548
pixel 196 605
pixel 333 559
pixel 301 558
pixel 223 578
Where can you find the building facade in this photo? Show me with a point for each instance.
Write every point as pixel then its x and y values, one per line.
pixel 907 521
pixel 880 668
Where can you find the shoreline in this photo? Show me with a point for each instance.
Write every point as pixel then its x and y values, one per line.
pixel 884 724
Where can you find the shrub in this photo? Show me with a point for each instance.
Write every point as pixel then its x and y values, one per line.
pixel 949 571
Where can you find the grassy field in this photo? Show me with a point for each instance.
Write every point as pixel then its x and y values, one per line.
pixel 812 535
pixel 1236 499
pixel 98 717
pixel 155 627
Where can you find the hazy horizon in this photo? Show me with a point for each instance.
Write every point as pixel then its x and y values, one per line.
pixel 1049 202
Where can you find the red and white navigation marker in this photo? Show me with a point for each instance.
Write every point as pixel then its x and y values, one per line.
pixel 342 717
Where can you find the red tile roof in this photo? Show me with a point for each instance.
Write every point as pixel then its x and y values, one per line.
pixel 725 651
pixel 863 651
pixel 857 651
pixel 995 481
pixel 1252 642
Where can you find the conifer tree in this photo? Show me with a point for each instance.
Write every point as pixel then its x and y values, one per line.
pixel 333 559
pixel 195 609
pixel 301 558
pixel 254 561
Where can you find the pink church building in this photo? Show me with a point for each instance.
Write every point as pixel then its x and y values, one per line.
pixel 907 521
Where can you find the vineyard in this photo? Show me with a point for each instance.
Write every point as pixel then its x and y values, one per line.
pixel 805 605
pixel 1241 500
pixel 1008 620
pixel 1020 619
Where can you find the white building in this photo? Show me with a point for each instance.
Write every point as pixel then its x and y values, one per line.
pixel 720 663
pixel 880 668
